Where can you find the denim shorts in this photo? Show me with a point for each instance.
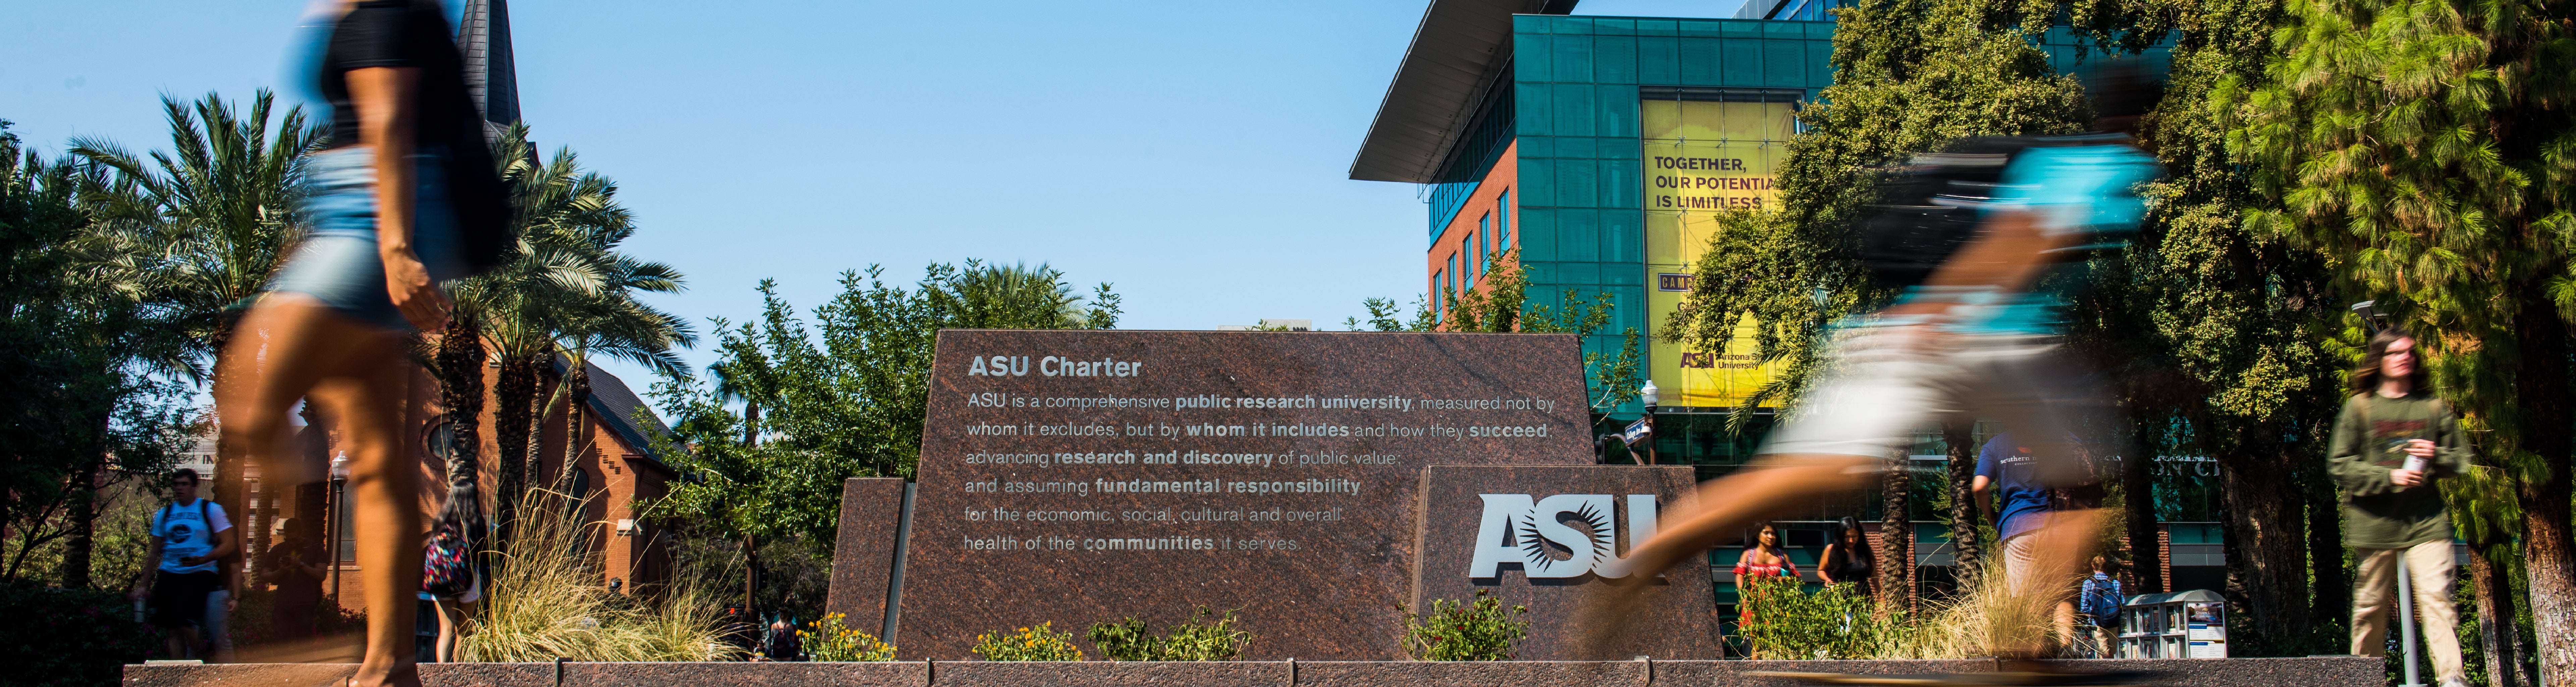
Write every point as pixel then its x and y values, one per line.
pixel 336 263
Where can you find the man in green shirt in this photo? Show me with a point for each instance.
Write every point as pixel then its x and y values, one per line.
pixel 2391 440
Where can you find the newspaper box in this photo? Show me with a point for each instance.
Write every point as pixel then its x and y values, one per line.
pixel 2190 624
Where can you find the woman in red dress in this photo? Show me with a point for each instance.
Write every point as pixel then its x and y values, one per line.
pixel 1765 559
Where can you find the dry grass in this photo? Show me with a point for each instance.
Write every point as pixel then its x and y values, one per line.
pixel 548 600
pixel 1984 620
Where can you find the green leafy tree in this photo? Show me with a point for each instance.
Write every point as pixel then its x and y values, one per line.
pixel 2230 336
pixel 2429 151
pixel 1910 76
pixel 842 398
pixel 1503 306
pixel 87 368
pixel 204 223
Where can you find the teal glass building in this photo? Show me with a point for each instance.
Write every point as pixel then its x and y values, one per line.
pixel 1530 129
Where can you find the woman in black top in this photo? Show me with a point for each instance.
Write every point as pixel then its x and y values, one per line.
pixel 1847 559
pixel 381 231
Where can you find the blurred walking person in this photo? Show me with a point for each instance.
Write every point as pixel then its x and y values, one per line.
pixel 1971 338
pixel 2392 439
pixel 400 201
pixel 2007 470
pixel 2100 599
pixel 294 563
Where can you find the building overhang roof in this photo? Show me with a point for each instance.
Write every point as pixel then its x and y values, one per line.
pixel 1455 53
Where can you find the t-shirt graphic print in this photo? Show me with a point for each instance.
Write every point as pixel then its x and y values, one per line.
pixel 188 530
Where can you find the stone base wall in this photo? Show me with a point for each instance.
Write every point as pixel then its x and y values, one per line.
pixel 2238 672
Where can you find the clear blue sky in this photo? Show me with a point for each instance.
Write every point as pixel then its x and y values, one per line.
pixel 1192 153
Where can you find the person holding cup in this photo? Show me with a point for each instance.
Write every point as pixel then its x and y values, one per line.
pixel 2391 441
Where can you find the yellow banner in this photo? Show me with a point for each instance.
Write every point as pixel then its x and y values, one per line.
pixel 1701 158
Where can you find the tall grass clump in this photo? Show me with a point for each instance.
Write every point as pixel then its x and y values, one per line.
pixel 1985 619
pixel 547 599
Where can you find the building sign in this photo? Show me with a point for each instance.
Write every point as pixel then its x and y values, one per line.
pixel 1087 476
pixel 1558 539
pixel 1702 157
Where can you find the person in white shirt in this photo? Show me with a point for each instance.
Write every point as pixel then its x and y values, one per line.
pixel 190 537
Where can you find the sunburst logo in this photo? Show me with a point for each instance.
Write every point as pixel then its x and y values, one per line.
pixel 1561 536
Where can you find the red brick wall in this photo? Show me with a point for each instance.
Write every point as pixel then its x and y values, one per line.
pixel 1505 176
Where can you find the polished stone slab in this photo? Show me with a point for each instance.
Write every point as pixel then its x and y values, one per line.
pixel 1553 537
pixel 1086 476
pixel 2227 672
pixel 863 553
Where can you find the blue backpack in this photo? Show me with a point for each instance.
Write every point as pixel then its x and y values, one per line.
pixel 2101 601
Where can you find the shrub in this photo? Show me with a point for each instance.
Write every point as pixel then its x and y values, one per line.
pixel 1482 630
pixel 1040 643
pixel 1190 641
pixel 1785 622
pixel 829 640
pixel 70 636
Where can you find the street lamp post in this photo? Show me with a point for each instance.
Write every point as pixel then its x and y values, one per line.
pixel 335 524
pixel 1650 395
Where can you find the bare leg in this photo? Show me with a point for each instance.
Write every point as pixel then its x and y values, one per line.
pixel 2065 544
pixel 451 627
pixel 384 493
pixel 291 346
pixel 1726 505
pixel 1720 510
pixel 181 643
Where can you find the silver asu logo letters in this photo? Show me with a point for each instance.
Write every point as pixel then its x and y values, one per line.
pixel 1516 529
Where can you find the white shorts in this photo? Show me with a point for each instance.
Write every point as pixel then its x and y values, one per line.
pixel 1885 383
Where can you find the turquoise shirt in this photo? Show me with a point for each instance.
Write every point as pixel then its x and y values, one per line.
pixel 2086 190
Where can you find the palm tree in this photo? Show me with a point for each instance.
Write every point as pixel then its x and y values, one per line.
pixel 565 277
pixel 621 327
pixel 1013 296
pixel 205 222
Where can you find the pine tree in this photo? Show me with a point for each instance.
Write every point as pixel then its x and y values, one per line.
pixel 2426 148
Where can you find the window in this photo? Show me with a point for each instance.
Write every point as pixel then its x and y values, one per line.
pixel 1484 243
pixel 1467 257
pixel 1439 301
pixel 1503 221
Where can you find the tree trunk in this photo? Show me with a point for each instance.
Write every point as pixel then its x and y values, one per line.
pixel 513 396
pixel 1895 541
pixel 2138 481
pixel 533 463
pixel 751 423
pixel 2332 601
pixel 751 580
pixel 2495 615
pixel 84 525
pixel 2267 546
pixel 1964 517
pixel 231 467
pixel 2549 554
pixel 576 423
pixel 460 393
